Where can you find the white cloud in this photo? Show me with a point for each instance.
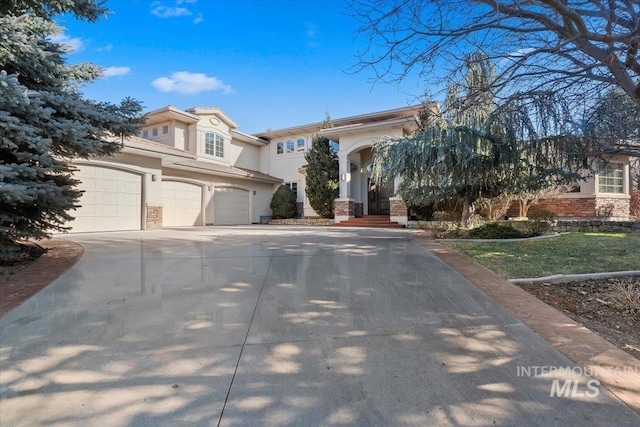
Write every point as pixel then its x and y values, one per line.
pixel 312 29
pixel 72 44
pixel 170 12
pixel 105 48
pixel 115 71
pixel 186 83
pixel 185 1
pixel 199 19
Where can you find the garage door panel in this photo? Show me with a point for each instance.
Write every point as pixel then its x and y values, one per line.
pixel 181 204
pixel 112 200
pixel 231 206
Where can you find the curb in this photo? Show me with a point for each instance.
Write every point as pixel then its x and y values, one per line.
pixel 566 278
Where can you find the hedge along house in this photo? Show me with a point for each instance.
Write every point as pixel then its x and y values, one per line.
pixel 195 168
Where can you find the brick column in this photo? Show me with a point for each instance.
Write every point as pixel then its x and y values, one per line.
pixel 154 217
pixel 344 209
pixel 399 212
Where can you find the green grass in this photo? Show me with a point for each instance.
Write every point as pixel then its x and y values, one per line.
pixel 571 253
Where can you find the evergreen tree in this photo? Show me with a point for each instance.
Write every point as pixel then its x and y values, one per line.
pixel 283 203
pixel 322 176
pixel 45 121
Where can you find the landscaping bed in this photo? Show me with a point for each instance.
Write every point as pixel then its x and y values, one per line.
pixel 609 307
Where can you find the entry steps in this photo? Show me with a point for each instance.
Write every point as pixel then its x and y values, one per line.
pixel 372 221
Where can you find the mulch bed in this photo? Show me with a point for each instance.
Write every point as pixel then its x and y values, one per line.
pixel 609 307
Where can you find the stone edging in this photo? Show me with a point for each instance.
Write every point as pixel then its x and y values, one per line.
pixel 566 278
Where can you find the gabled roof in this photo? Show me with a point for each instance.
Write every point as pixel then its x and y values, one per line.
pixel 213 111
pixel 359 120
pixel 170 112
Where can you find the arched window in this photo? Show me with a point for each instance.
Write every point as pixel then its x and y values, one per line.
pixel 280 147
pixel 290 146
pixel 301 144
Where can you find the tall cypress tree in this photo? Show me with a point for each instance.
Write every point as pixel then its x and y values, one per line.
pixel 45 121
pixel 322 176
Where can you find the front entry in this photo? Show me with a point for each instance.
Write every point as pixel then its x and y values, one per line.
pixel 378 197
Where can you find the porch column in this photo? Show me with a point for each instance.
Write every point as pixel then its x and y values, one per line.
pixel 344 205
pixel 345 176
pixel 397 206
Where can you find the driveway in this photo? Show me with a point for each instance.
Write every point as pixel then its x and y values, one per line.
pixel 271 326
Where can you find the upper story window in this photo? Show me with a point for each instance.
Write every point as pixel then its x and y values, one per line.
pixel 301 144
pixel 290 146
pixel 165 130
pixel 213 144
pixel 280 147
pixel 145 134
pixel 611 178
pixel 154 132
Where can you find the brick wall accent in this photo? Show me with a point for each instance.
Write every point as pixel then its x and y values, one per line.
pixel 359 209
pixel 344 208
pixel 574 207
pixel 154 217
pixel 398 207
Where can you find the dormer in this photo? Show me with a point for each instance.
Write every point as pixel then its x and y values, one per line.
pixel 214 133
pixel 172 127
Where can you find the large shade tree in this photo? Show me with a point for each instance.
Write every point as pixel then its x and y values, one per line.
pixel 576 49
pixel 45 121
pixel 481 148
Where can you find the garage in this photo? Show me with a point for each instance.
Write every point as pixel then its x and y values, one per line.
pixel 230 206
pixel 112 200
pixel 181 204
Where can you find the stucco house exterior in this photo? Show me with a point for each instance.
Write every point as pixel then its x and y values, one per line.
pixel 195 168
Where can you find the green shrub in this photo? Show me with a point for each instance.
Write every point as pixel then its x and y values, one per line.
pixel 283 203
pixel 540 222
pixel 494 230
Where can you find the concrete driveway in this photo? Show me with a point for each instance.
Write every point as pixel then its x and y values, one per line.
pixel 270 326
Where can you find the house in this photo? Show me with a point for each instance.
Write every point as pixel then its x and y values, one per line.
pixel 194 168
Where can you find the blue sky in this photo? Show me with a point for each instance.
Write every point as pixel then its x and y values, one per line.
pixel 268 64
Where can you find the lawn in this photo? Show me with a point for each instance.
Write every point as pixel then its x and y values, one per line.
pixel 570 253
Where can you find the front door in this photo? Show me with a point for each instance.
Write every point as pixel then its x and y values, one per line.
pixel 379 198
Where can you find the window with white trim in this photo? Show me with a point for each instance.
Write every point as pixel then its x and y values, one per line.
pixel 145 134
pixel 300 144
pixel 611 178
pixel 280 147
pixel 294 187
pixel 165 130
pixel 290 146
pixel 219 146
pixel 154 132
pixel 213 144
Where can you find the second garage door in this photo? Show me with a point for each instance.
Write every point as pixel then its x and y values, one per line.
pixel 181 204
pixel 231 206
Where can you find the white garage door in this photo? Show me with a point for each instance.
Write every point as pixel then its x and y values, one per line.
pixel 231 206
pixel 112 200
pixel 181 204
